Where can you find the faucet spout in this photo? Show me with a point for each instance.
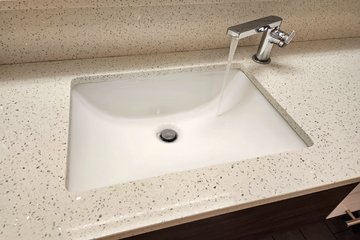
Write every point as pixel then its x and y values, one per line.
pixel 253 27
pixel 270 28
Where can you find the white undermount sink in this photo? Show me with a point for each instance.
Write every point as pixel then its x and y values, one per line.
pixel 116 120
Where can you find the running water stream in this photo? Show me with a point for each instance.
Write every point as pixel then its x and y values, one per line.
pixel 233 46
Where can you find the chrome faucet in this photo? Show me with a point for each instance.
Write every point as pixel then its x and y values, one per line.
pixel 270 27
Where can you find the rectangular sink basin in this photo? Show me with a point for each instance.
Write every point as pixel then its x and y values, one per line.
pixel 117 122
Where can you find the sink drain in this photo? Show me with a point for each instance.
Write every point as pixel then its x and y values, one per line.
pixel 168 135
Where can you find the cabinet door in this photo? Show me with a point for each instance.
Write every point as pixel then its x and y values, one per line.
pixel 351 202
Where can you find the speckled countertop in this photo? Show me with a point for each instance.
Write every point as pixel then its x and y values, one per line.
pixel 317 83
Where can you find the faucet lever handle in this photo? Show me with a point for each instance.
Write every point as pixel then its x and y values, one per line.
pixel 281 38
pixel 289 37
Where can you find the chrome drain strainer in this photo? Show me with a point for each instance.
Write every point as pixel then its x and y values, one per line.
pixel 168 135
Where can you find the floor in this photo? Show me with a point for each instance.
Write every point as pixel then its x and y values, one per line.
pixel 331 229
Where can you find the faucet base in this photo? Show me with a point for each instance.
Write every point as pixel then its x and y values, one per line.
pixel 260 61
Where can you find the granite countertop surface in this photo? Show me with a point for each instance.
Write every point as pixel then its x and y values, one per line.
pixel 316 83
pixel 62 4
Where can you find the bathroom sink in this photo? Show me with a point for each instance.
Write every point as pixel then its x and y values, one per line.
pixel 117 122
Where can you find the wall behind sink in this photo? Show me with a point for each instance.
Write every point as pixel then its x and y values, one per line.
pixel 43 30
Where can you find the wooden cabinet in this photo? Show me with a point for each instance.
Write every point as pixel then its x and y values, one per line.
pixel 257 221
